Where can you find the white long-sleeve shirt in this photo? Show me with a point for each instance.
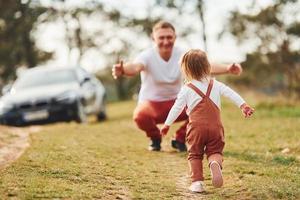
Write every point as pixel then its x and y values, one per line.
pixel 188 97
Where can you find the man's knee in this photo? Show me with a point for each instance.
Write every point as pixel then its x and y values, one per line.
pixel 141 119
pixel 137 119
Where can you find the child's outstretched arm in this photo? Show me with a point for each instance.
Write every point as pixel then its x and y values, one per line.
pixel 237 99
pixel 234 68
pixel 247 110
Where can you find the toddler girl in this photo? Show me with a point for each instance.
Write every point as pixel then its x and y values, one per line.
pixel 205 133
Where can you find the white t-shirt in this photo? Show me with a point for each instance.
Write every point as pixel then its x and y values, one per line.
pixel 161 80
pixel 188 97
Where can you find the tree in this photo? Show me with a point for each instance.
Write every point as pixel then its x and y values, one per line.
pixel 17 45
pixel 189 8
pixel 275 63
pixel 143 26
pixel 77 36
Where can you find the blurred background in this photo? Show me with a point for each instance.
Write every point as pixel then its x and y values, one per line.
pixel 263 35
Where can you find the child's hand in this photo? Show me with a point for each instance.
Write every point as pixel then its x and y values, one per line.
pixel 235 69
pixel 247 110
pixel 164 130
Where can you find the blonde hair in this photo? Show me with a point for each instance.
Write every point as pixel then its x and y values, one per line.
pixel 162 24
pixel 195 65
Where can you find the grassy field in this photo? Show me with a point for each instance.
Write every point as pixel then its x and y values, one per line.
pixel 110 160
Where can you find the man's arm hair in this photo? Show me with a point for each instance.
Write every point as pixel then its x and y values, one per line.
pixel 132 69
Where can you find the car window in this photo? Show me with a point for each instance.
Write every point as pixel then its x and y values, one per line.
pixel 44 77
pixel 82 74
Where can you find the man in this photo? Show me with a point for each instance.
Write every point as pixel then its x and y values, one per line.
pixel 161 80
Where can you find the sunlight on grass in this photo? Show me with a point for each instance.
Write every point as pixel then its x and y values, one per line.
pixel 109 160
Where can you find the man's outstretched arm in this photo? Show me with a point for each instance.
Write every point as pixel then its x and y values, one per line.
pixel 127 69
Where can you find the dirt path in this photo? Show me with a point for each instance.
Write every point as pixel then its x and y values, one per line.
pixel 182 177
pixel 13 142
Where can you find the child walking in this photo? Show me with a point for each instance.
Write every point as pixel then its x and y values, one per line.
pixel 205 133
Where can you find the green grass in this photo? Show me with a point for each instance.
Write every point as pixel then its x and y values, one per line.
pixel 109 160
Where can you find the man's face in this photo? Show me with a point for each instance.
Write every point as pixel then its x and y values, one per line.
pixel 164 38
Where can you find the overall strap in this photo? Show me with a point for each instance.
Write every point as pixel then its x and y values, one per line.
pixel 196 89
pixel 211 82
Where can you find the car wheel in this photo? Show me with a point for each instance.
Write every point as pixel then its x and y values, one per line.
pixel 101 116
pixel 80 114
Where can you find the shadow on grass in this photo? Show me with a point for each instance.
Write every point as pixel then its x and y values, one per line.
pixel 115 118
pixel 252 157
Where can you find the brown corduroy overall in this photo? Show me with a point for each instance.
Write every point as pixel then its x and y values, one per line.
pixel 205 133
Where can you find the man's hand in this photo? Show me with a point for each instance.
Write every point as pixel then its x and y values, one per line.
pixel 117 70
pixel 247 110
pixel 235 69
pixel 164 130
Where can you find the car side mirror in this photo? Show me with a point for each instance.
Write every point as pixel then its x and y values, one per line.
pixel 6 89
pixel 86 79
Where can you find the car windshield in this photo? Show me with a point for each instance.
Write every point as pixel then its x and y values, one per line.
pixel 44 77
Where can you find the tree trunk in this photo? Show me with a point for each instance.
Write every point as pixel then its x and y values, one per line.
pixel 201 14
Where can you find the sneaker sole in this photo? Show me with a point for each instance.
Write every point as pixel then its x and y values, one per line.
pixel 153 149
pixel 200 191
pixel 196 191
pixel 217 178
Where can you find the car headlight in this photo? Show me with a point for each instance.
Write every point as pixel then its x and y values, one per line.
pixel 5 107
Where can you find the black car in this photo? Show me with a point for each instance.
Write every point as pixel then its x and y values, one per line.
pixel 49 94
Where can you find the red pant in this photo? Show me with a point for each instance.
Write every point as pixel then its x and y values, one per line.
pixel 149 113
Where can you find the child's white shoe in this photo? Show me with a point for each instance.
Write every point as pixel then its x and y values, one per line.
pixel 216 173
pixel 197 186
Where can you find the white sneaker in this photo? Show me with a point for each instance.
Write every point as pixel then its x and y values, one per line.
pixel 197 186
pixel 216 173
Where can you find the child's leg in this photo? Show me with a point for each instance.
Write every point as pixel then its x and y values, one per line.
pixel 215 166
pixel 214 149
pixel 196 167
pixel 195 146
pixel 216 157
pixel 195 158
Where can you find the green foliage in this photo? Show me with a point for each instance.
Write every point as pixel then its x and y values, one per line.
pixel 294 29
pixel 274 66
pixel 17 45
